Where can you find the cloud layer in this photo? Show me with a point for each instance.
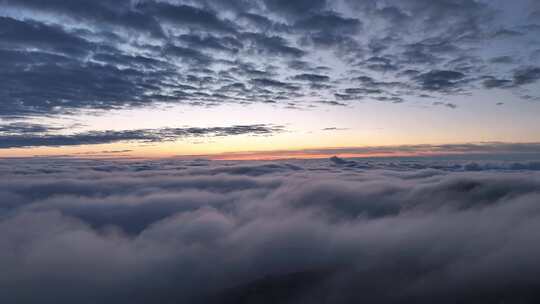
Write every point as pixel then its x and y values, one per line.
pixel 310 231
pixel 57 57
pixel 16 135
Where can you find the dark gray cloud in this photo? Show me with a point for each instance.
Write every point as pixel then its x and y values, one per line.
pixel 521 77
pixel 440 80
pixel 50 83
pixel 381 64
pixel 18 135
pixel 25 127
pixel 187 16
pixel 59 57
pixel 271 45
pixel 527 75
pixel 445 104
pixel 21 35
pixel 335 129
pixel 121 14
pixel 491 82
pixel 329 23
pixel 265 82
pixel 304 231
pixel 295 8
pixel 312 77
pixel 229 44
pixel 502 59
pixel 187 54
pixel 332 103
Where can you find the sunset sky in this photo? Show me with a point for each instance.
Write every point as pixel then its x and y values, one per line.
pixel 269 151
pixel 267 78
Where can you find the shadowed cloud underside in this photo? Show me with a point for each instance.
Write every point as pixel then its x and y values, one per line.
pixel 309 231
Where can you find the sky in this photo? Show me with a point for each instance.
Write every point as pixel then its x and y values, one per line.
pixel 269 151
pixel 268 78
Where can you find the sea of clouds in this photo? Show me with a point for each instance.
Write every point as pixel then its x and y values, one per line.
pixel 298 231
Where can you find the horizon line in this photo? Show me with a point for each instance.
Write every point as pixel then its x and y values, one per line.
pixel 390 151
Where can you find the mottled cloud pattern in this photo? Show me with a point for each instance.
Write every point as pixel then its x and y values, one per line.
pixel 302 231
pixel 58 57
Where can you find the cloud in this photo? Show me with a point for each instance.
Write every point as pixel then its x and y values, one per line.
pixel 382 64
pixel 329 23
pixel 334 129
pixel 445 104
pixel 502 59
pixel 527 75
pixel 521 77
pixel 55 84
pixel 60 58
pixel 18 135
pixel 454 151
pixel 20 35
pixel 337 230
pixel 189 16
pixel 229 43
pixel 491 82
pixel 24 128
pixel 188 54
pixel 312 77
pixel 265 82
pixel 296 8
pixel 271 45
pixel 119 15
pixel 440 80
pixel 332 103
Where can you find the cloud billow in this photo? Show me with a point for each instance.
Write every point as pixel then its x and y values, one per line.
pixel 317 231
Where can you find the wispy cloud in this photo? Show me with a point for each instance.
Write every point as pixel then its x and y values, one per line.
pixel 35 135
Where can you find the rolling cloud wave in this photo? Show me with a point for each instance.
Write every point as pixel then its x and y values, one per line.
pixel 313 231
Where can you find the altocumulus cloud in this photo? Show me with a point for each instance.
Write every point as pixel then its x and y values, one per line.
pixel 58 57
pixel 310 231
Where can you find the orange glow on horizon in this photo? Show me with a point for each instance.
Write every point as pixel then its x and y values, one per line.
pixel 303 155
pixel 219 152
